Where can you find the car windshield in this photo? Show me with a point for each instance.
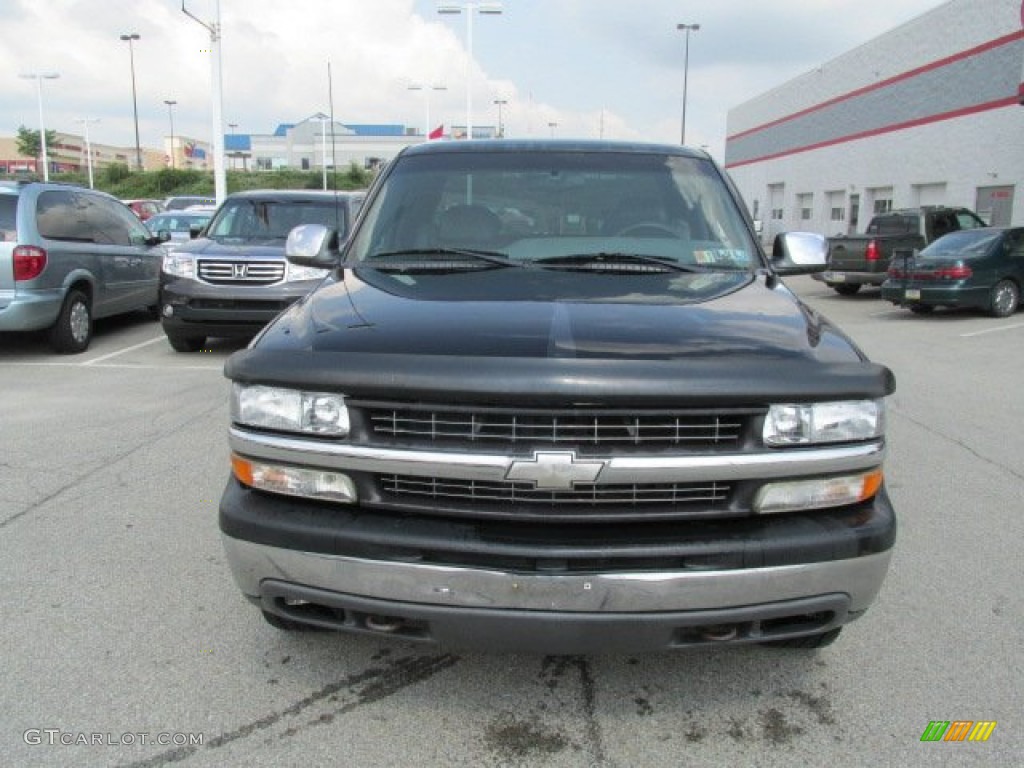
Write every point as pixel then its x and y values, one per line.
pixel 558 209
pixel 961 245
pixel 247 220
pixel 176 223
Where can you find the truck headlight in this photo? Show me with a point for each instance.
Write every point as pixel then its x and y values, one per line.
pixel 818 493
pixel 810 423
pixel 294 481
pixel 297 273
pixel 289 410
pixel 179 265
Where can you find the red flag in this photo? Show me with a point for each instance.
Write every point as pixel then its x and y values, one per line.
pixel 437 133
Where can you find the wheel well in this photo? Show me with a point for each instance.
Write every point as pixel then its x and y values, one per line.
pixel 81 285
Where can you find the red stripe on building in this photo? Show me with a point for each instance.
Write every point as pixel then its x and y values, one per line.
pixel 999 41
pixel 887 129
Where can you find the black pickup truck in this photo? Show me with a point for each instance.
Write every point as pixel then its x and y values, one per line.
pixel 856 260
pixel 553 397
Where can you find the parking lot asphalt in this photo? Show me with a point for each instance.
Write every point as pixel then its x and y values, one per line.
pixel 121 625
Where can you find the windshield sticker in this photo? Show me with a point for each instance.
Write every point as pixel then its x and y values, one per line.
pixel 720 256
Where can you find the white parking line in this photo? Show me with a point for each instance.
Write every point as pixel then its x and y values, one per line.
pixel 116 366
pixel 122 351
pixel 992 330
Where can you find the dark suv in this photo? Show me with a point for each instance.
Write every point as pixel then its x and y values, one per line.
pixel 234 279
pixel 69 255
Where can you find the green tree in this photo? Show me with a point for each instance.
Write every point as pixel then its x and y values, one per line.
pixel 28 142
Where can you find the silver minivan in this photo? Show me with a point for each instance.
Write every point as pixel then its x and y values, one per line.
pixel 69 255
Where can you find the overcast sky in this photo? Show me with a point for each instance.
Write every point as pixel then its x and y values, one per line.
pixel 594 67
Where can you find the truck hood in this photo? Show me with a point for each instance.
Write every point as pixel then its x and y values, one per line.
pixel 552 333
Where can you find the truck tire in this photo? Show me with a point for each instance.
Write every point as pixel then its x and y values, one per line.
pixel 846 289
pixel 809 641
pixel 72 332
pixel 185 343
pixel 1004 299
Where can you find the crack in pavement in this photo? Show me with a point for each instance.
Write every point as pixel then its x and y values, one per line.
pixel 359 689
pixel 928 428
pixel 116 459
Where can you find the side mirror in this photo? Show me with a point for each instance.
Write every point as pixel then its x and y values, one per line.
pixel 163 235
pixel 312 245
pixel 194 232
pixel 799 253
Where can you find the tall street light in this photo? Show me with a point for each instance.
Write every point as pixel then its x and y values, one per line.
pixel 687 28
pixel 170 112
pixel 39 77
pixel 501 125
pixel 130 38
pixel 426 93
pixel 468 7
pixel 220 183
pixel 324 120
pixel 88 146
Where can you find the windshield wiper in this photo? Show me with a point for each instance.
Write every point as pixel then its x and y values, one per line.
pixel 397 260
pixel 609 261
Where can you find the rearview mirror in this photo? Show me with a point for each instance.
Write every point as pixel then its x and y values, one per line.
pixel 799 253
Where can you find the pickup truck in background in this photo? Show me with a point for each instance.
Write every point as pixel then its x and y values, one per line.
pixel 856 260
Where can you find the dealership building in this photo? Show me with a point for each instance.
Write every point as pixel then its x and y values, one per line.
pixel 930 113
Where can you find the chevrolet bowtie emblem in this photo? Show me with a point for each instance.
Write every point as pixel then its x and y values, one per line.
pixel 554 470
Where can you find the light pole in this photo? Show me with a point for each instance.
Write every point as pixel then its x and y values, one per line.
pixel 687 28
pixel 501 125
pixel 131 37
pixel 426 94
pixel 39 77
pixel 468 7
pixel 170 113
pixel 88 146
pixel 552 126
pixel 220 182
pixel 324 120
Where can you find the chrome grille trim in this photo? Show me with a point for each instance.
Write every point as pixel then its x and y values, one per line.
pixel 589 494
pixel 493 466
pixel 701 429
pixel 218 272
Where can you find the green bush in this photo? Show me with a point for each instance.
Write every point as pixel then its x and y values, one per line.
pixel 123 183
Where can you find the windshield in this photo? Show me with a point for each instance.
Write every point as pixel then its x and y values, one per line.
pixel 961 245
pixel 245 220
pixel 558 207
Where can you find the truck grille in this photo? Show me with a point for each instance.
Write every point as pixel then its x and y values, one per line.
pixel 241 272
pixel 489 498
pixel 522 429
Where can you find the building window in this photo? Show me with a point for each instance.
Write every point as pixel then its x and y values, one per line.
pixel 263 164
pixel 883 205
pixel 777 214
pixel 837 214
pixel 305 163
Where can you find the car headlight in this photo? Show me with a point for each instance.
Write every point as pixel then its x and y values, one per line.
pixel 296 273
pixel 290 410
pixel 294 481
pixel 811 423
pixel 179 264
pixel 817 493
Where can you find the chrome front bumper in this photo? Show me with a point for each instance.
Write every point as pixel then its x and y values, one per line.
pixel 555 614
